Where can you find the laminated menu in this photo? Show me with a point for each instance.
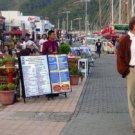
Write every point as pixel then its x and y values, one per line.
pixel 36 77
pixel 59 73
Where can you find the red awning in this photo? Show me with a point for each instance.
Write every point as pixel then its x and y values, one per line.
pixel 16 32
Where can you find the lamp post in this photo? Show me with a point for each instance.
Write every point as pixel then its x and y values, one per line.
pixel 58 23
pixel 71 25
pixel 100 14
pixel 2 28
pixel 120 6
pixel 79 19
pixel 133 8
pixel 67 14
pixel 112 12
pixel 86 17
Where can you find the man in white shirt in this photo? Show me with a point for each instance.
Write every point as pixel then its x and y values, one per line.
pixel 126 66
pixel 42 41
pixel 27 43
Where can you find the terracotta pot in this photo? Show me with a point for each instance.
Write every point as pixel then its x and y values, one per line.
pixel 74 80
pixel 7 97
pixel 10 64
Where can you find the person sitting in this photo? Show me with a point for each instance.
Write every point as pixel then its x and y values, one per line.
pixel 7 51
pixel 28 43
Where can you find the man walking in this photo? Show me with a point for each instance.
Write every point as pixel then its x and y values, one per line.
pixel 126 66
pixel 98 45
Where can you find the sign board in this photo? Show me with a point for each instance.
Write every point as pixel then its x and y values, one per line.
pixel 59 73
pixel 35 73
pixel 43 75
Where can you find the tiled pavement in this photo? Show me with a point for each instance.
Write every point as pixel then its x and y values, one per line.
pixel 39 116
pixel 102 108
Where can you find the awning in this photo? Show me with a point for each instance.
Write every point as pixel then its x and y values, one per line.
pixel 16 32
pixel 121 27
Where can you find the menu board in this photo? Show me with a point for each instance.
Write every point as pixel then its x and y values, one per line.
pixel 59 73
pixel 36 78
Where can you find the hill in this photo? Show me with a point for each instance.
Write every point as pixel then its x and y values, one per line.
pixel 53 9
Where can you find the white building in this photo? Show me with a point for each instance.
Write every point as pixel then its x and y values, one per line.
pixel 43 25
pixel 27 23
pixel 11 19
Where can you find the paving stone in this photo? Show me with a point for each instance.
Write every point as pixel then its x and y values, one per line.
pixel 49 116
pixel 102 108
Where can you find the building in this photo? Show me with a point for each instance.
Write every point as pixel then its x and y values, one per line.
pixel 30 24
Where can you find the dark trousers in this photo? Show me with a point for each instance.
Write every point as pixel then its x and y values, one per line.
pixel 99 52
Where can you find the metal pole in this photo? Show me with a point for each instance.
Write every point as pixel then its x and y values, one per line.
pixel 132 8
pixel 120 11
pixel 86 17
pixel 112 13
pixel 100 14
pixel 58 23
pixel 79 25
pixel 67 21
pixel 63 24
pixel 71 25
pixel 127 10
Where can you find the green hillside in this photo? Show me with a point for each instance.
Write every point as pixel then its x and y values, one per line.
pixel 53 9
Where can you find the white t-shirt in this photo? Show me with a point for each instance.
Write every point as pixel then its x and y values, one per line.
pixel 132 38
pixel 41 42
pixel 28 43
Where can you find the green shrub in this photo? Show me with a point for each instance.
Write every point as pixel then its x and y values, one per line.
pixel 5 87
pixel 74 70
pixel 1 62
pixel 64 48
pixel 9 59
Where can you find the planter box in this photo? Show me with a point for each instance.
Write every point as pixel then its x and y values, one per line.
pixel 74 80
pixel 10 64
pixel 72 61
pixel 7 97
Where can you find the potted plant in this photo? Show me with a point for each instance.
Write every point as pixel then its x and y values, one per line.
pixel 75 75
pixel 9 61
pixel 7 94
pixel 64 48
pixel 1 62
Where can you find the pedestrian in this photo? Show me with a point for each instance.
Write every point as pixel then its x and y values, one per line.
pixel 126 66
pixel 99 46
pixel 42 41
pixel 50 46
pixel 28 42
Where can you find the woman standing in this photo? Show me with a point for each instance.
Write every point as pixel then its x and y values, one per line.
pixel 126 66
